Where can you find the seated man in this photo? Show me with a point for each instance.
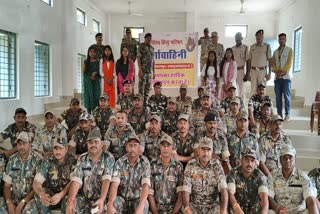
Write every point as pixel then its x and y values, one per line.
pixel 91 178
pixel 184 102
pixel 196 102
pixel 230 118
pixel 18 178
pixel 262 125
pixel 130 181
pixel 290 189
pixel 124 101
pixel 170 116
pixel 157 102
pixel 52 181
pixel 231 95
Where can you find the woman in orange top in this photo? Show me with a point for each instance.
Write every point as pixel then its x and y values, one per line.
pixel 106 72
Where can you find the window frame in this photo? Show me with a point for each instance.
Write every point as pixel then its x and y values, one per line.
pixel 49 72
pixel 79 72
pixel 84 17
pixel 50 3
pixel 137 27
pixel 235 25
pixel 297 30
pixel 95 21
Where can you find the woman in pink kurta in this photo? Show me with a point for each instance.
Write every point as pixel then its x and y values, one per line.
pixel 124 69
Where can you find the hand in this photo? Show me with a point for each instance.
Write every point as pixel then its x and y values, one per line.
pixel 70 208
pixel 45 199
pixel 11 208
pixel 246 78
pixel 19 208
pixel 140 73
pixel 252 122
pixel 268 76
pixel 93 75
pixel 187 211
pixel 6 153
pixel 110 208
pixel 100 204
pixel 139 209
pixel 56 198
pixel 238 210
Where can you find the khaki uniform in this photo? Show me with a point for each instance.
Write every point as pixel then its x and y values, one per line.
pixel 204 43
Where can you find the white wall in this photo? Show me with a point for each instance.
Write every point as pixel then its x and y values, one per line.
pixel 304 13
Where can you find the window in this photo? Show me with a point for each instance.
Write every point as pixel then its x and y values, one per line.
pixel 297 50
pixel 49 2
pixel 80 61
pixel 81 16
pixel 96 26
pixel 8 65
pixel 41 69
pixel 135 31
pixel 231 30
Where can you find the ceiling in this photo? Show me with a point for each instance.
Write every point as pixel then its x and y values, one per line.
pixel 199 6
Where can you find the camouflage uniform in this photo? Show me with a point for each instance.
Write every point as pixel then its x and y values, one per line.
pixel 169 122
pixel 184 147
pixel 157 104
pixel 314 175
pixel 43 140
pixel 124 101
pixel 220 145
pixel 146 53
pixel 196 104
pixel 151 146
pixel 90 176
pixel 116 141
pixel 270 150
pixel 261 127
pixel 3 162
pixel 80 139
pixel 99 50
pixel 20 175
pixel 246 190
pixel 102 118
pixel 71 118
pixel 132 45
pixel 138 121
pixel 219 49
pixel 130 180
pixel 225 104
pixel 184 106
pixel 293 192
pixel 230 122
pixel 55 178
pixel 237 145
pixel 204 42
pixel 204 185
pixel 255 103
pixel 166 182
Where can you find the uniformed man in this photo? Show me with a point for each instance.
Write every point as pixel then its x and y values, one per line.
pixel 150 140
pixel 230 95
pixel 3 162
pixel 165 194
pixel 12 131
pixel 204 42
pixel 130 181
pixel 71 116
pixel 78 143
pixel 259 59
pixel 125 99
pixel 146 66
pixel 245 183
pixel 98 47
pixel 184 140
pixel 157 103
pixel 291 189
pixel 170 117
pixel 282 61
pixel 18 178
pixel 241 56
pixel 196 102
pixel 262 125
pixel 270 145
pixel 43 141
pixel 116 136
pixel 91 178
pixel 241 139
pixel 52 181
pixel 184 102
pixel 217 47
pixel 204 181
pixel 131 43
pixel 138 115
pixel 102 114
pixel 230 118
pixel 314 175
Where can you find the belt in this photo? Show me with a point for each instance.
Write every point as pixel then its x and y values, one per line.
pixel 240 67
pixel 259 68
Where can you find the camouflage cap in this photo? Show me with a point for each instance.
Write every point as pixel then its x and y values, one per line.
pixel 183 117
pixel 211 116
pixel 85 116
pixel 166 138
pixel 60 142
pixel 288 150
pixel 250 153
pixel 172 100
pixel 205 142
pixel 214 33
pixel 206 30
pixel 134 137
pixel 74 100
pixel 261 85
pixel 183 85
pixel 275 118
pixel 201 88
pixel 205 94
pixel 94 135
pixel 235 100
pixel 104 96
pixel 23 136
pixel 242 115
pixel 138 96
pixel 20 110
pixel 265 103
pixel 231 86
pixel 48 112
pixel 155 117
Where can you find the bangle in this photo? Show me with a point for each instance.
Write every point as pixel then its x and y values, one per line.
pixel 235 205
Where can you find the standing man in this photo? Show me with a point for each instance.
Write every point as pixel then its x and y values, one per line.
pixel 157 103
pixel 217 47
pixel 282 61
pixel 98 47
pixel 170 117
pixel 204 42
pixel 146 66
pixel 241 56
pixel 259 59
pixel 131 43
pixel 130 181
pixel 124 101
pixel 204 183
pixel 184 102
pixel 245 183
pixel 91 178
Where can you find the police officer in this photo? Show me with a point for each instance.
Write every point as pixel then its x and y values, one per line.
pixel 43 141
pixel 245 183
pixel 124 101
pixel 184 102
pixel 204 42
pixel 170 116
pixel 165 194
pixel 131 43
pixel 91 178
pixel 204 181
pixel 130 181
pixel 52 181
pixel 116 136
pixel 138 115
pixel 18 178
pixel 157 102
pixel 102 114
pixel 146 66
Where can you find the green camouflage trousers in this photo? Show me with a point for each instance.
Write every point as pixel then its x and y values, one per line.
pixel 128 207
pixel 29 208
pixel 144 86
pixel 196 209
pixel 44 209
pixel 83 205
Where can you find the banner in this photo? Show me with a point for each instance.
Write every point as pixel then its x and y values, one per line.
pixel 176 58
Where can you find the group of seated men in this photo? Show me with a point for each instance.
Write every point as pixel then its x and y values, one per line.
pixel 173 155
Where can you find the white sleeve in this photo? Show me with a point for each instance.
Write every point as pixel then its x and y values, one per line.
pixel 235 70
pixel 203 71
pixel 101 68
